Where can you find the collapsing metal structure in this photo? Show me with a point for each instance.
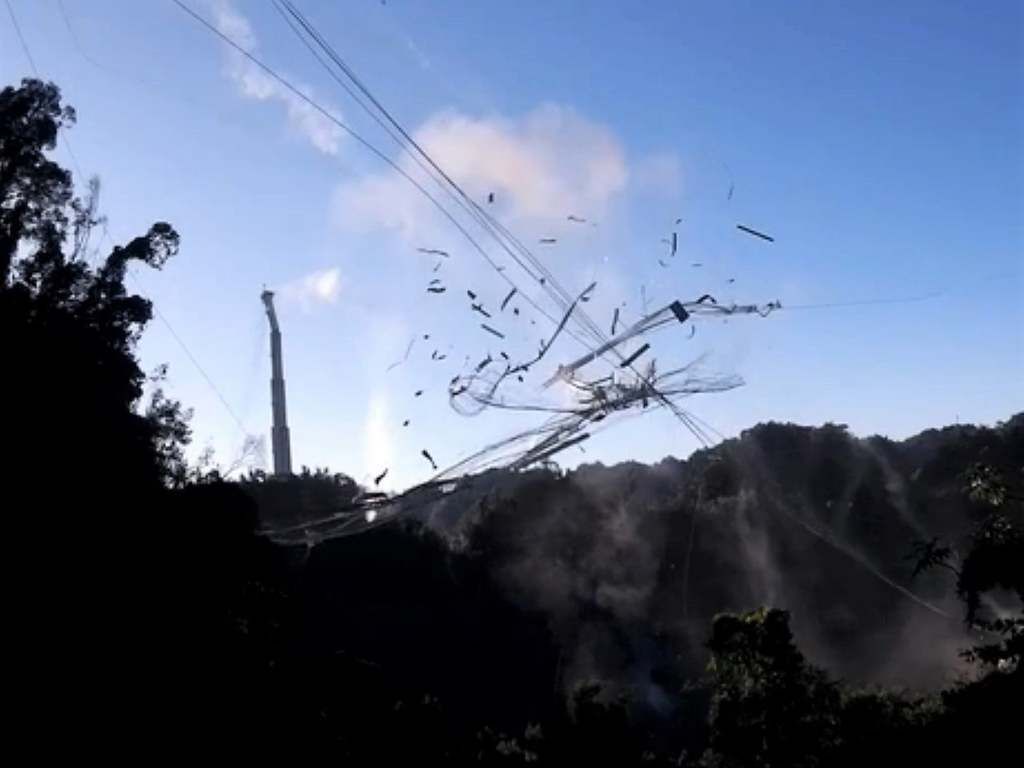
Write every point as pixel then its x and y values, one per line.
pixel 279 436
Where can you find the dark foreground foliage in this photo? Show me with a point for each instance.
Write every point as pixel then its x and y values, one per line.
pixel 148 618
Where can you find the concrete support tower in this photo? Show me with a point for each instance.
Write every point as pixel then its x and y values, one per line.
pixel 280 439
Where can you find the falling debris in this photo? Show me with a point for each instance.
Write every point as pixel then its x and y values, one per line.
pixel 679 221
pixel 405 423
pixel 426 336
pixel 435 355
pixel 428 457
pixel 405 357
pixel 577 219
pixel 435 281
pixel 471 295
pixel 693 331
pixel 482 364
pixel 515 311
pixel 662 263
pixel 381 476
pixel 519 376
pixel 480 308
pixel 548 240
pixel 434 252
pixel 731 188
pixel 507 299
pixel 436 289
pixel 731 280
pixel 615 320
pixel 706 297
pixel 755 233
pixel 490 197
pixel 504 355
pixel 490 330
pixel 679 311
pixel 675 243
pixel 438 266
pixel 417 393
pixel 697 264
pixel 632 358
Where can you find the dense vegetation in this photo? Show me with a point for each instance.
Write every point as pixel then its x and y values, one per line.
pixel 608 615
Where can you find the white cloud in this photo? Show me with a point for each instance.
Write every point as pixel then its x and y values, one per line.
pixel 254 83
pixel 320 287
pixel 659 172
pixel 549 164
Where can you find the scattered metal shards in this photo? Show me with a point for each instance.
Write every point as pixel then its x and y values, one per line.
pixel 490 197
pixel 480 308
pixel 675 243
pixel 697 264
pixel 480 366
pixel 377 480
pixel 615 320
pixel 504 355
pixel 662 263
pixel 417 393
pixel 548 240
pixel 472 296
pixel 405 423
pixel 435 252
pixel 706 298
pixel 755 233
pixel 577 219
pixel 436 289
pixel 492 331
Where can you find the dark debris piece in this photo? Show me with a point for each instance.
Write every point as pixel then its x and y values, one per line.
pixel 434 252
pixel 662 263
pixel 504 355
pixel 632 358
pixel 483 363
pixel 615 320
pixel 755 233
pixel 428 457
pixel 405 423
pixel 480 308
pixel 471 295
pixel 490 197
pixel 381 476
pixel 417 393
pixel 679 311
pixel 675 243
pixel 507 299
pixel 515 311
pixel 436 289
pixel 492 331
pixel 577 219
pixel 548 240
pixel 706 297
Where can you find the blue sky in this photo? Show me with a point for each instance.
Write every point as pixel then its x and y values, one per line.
pixel 879 143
